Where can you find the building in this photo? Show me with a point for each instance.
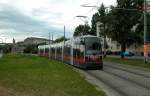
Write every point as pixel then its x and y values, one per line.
pixel 16 48
pixel 113 46
pixel 36 41
pixel 23 46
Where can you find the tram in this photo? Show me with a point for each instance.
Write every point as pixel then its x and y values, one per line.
pixel 83 52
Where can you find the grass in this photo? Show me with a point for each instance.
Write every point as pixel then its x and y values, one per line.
pixel 133 62
pixel 37 76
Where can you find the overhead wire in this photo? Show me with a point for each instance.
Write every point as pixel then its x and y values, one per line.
pixel 60 34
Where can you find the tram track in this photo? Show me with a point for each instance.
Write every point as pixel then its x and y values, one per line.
pixel 127 70
pixel 130 80
pixel 108 84
pixel 123 86
pixel 125 82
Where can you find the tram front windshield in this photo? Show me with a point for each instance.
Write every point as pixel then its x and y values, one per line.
pixel 92 46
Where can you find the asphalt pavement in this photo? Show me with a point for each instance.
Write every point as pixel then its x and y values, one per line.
pixel 120 80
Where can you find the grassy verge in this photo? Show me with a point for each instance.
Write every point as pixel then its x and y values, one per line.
pixel 36 76
pixel 133 62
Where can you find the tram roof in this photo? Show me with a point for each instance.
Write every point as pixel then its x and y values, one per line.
pixel 85 36
pixel 61 43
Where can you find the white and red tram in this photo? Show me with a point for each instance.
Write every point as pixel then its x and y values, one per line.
pixel 84 52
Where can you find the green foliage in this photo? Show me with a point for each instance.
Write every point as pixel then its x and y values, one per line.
pixel 60 39
pixel 31 49
pixel 103 19
pixel 100 16
pixel 35 76
pixel 6 48
pixel 122 25
pixel 122 21
pixel 95 19
pixel 140 31
pixel 82 30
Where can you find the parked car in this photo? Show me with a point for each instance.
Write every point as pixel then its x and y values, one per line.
pixel 128 53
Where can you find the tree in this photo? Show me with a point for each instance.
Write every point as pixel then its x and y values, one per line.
pixel 100 16
pixel 95 19
pixel 6 48
pixel 122 21
pixel 31 48
pixel 82 30
pixel 60 39
pixel 103 27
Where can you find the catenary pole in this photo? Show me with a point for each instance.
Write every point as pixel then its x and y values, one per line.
pixel 145 34
pixel 49 45
pixel 63 43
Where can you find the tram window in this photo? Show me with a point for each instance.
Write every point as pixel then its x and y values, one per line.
pixel 92 43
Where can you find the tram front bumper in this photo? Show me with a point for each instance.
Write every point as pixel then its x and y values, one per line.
pixel 92 65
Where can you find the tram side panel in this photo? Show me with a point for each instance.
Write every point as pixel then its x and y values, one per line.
pixel 67 53
pixel 47 52
pixel 78 54
pixel 52 52
pixel 40 52
pixel 59 53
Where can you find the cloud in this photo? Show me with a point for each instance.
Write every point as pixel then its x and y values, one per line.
pixel 12 18
pixel 18 22
pixel 36 18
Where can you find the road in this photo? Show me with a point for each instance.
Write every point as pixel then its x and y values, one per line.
pixel 120 80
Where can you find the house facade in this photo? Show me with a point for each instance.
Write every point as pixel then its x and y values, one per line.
pixel 35 41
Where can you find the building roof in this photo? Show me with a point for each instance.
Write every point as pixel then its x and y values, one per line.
pixel 36 38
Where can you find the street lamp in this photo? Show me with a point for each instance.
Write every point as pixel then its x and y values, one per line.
pixel 85 17
pixel 85 21
pixel 64 44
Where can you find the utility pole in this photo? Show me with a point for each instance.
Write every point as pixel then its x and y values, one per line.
pixel 105 42
pixel 49 45
pixel 49 38
pixel 64 43
pixel 52 37
pixel 145 34
pixel 64 33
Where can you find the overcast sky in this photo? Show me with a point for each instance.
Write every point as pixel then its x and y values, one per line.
pixel 36 18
